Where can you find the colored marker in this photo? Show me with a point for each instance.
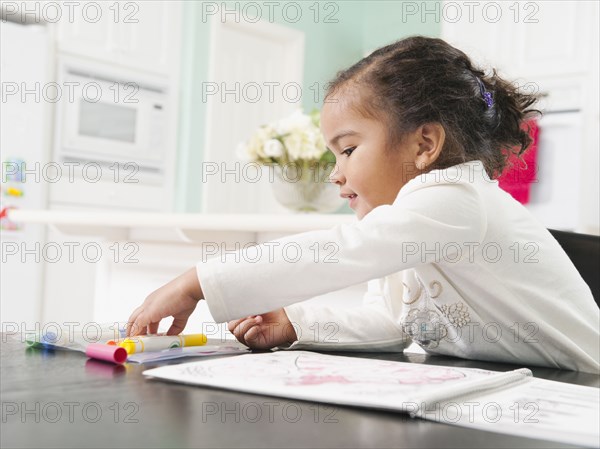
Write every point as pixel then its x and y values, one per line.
pixel 77 342
pixel 13 191
pixel 101 351
pixel 70 339
pixel 143 343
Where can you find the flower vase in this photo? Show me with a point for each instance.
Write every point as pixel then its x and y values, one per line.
pixel 306 188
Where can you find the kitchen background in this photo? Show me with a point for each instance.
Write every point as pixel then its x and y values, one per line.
pixel 175 86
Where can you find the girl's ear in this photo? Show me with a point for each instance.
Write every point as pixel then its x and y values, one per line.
pixel 430 138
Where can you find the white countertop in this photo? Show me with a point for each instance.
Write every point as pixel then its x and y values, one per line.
pixel 188 227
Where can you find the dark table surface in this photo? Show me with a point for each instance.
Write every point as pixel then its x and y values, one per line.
pixel 62 399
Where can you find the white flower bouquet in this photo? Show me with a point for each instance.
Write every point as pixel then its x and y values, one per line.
pixel 295 150
pixel 294 140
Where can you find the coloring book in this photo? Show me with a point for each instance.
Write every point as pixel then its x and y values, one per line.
pixel 511 402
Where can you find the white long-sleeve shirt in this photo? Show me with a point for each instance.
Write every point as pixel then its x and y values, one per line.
pixel 454 264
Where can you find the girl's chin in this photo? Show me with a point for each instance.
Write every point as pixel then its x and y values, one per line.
pixel 359 214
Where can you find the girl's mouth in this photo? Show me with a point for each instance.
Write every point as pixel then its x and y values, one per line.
pixel 352 199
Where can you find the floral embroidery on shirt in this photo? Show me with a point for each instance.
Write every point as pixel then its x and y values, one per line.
pixel 417 294
pixel 426 322
pixel 425 327
pixel 457 314
pixel 423 322
pixel 412 298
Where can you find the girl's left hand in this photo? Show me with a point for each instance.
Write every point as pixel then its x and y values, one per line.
pixel 264 331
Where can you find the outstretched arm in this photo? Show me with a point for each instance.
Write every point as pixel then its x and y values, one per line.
pixel 389 239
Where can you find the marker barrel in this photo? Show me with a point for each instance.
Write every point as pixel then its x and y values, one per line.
pixel 143 343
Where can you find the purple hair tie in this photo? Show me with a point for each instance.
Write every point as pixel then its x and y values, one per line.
pixel 487 96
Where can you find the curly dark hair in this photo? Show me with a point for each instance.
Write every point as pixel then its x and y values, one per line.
pixel 421 80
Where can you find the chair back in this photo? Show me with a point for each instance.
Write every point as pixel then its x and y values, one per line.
pixel 584 252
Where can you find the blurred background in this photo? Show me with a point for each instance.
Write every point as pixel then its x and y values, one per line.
pixel 111 108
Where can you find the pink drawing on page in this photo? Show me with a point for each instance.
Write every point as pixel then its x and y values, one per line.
pixel 378 373
pixel 313 379
pixel 314 370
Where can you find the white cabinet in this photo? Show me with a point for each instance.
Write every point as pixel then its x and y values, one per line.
pixel 140 35
pixel 118 52
pixel 559 43
pixel 526 39
pixel 543 46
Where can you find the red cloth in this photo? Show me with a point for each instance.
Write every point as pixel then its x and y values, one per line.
pixel 519 174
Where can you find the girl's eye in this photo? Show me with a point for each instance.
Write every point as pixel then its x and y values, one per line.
pixel 348 149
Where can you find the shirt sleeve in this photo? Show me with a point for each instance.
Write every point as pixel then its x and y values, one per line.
pixel 372 327
pixel 414 230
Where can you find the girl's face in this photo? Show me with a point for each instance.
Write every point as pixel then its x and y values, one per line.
pixel 363 165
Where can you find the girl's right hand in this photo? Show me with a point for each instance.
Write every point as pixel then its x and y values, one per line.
pixel 177 298
pixel 264 331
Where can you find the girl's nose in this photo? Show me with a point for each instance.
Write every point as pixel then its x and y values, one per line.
pixel 336 176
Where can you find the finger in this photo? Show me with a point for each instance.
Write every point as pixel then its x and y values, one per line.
pixel 240 330
pixel 253 336
pixel 233 324
pixel 248 324
pixel 177 326
pixel 153 328
pixel 131 320
pixel 134 329
pixel 139 325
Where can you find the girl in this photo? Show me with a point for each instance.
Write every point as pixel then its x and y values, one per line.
pixel 453 263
